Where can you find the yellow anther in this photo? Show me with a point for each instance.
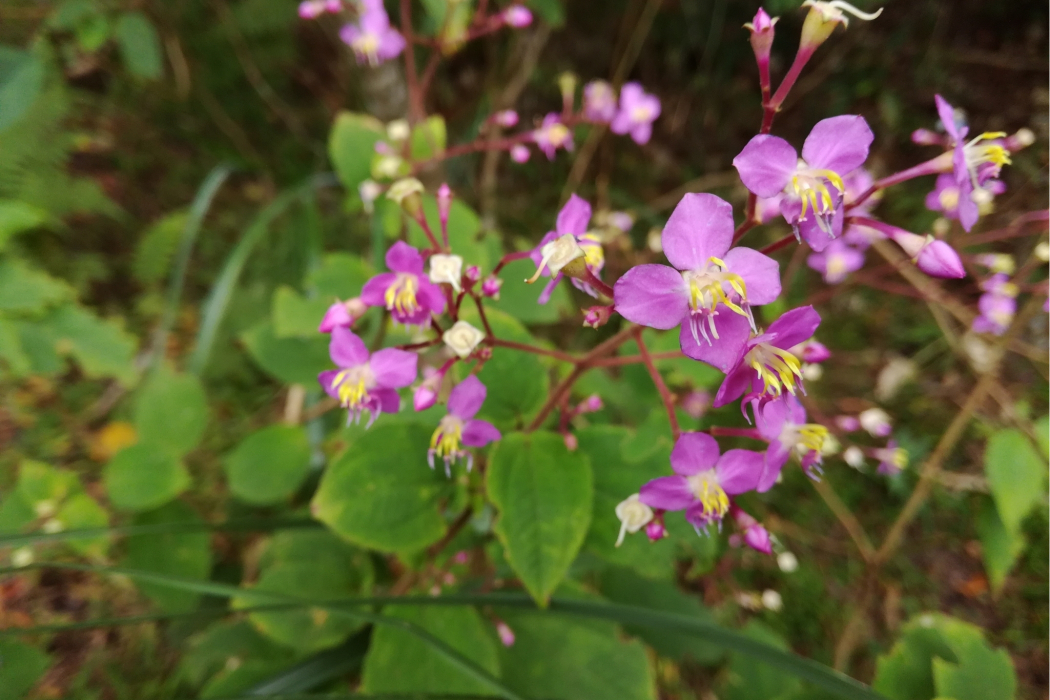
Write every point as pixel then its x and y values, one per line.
pixel 778 369
pixel 401 295
pixel 352 392
pixel 557 134
pixel 812 436
pixel 710 493
pixel 445 441
pixel 706 292
pixel 593 255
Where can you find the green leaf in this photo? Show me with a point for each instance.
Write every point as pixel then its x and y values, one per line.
pixel 102 348
pixel 268 465
pixel 184 554
pixel 289 360
pixel 92 32
pixel 1016 474
pixel 21 80
pixel 317 670
pixel 17 216
pixel 339 276
pixel 44 487
pixel 380 493
pixel 171 410
pixel 564 660
pixel 616 478
pixel 999 547
pixel 295 316
pixel 428 138
pixel 545 495
pixel 624 586
pixel 139 45
pixel 307 629
pixel 156 248
pixel 12 355
pixel 399 662
pixel 21 666
pixel 25 290
pixel 551 11
pixel 983 674
pixel 1042 434
pixel 517 382
pixel 519 300
pixel 464 229
pixel 746 681
pixel 143 477
pixel 225 647
pixel 81 511
pixel 351 144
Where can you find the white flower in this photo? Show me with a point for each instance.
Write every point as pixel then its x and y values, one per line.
pixel 369 191
pixel 854 457
pixel 53 525
pixel 398 130
pixel 787 562
pixel 1042 251
pixel 633 515
pixel 403 188
pixel 22 556
pixel 557 254
pixel 772 600
pixel 45 508
pixel 812 372
pixel 462 338
pixel 876 422
pixel 447 269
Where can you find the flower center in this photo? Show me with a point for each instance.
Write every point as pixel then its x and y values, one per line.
pixel 808 437
pixel 836 266
pixel 949 198
pixel 367 45
pixel 593 255
pixel 557 134
pixel 641 114
pixel 445 443
pixel 352 385
pixel 706 291
pixel 777 368
pixel 710 493
pixel 811 186
pixel 401 295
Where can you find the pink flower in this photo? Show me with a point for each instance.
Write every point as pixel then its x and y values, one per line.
pixel 552 135
pixel 362 382
pixel 405 291
pixel 836 261
pixel 519 153
pixel 459 428
pixel 638 110
pixel 517 16
pixel 599 102
pixel 372 38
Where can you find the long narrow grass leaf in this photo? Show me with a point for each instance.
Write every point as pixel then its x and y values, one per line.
pixel 320 668
pixel 221 293
pixel 201 203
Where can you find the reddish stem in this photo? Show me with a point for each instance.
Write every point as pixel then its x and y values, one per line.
pixel 415 98
pixel 930 167
pixel 509 258
pixel 719 431
pixel 777 245
pixel 665 394
pixel 556 354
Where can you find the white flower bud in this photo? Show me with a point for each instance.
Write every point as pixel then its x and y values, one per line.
pixel 462 338
pixel 633 515
pixel 812 372
pixel 787 562
pixel 557 254
pixel 446 269
pixel 45 508
pixel 398 130
pixel 53 525
pixel 23 556
pixel 1042 251
pixel 772 601
pixel 854 456
pixel 876 422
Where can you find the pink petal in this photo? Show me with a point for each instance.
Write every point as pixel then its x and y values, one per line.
pixel 694 453
pixel 766 164
pixel 793 327
pixel 839 144
pixel 641 133
pixel 478 433
pixel 389 401
pixel 652 295
pixel 466 398
pixel 404 258
pixel 336 315
pixel 430 296
pixel 346 349
pixel 724 352
pixel 325 379
pixel 574 216
pixel 761 274
pixel 700 227
pixel 947 114
pixel 734 385
pixel 394 368
pixel 374 291
pixel 775 458
pixel 667 493
pixel 739 470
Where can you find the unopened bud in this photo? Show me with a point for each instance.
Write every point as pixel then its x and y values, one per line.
pixel 444 204
pixel 506 634
pixel 849 424
pixel 491 286
pixel 505 118
pixel 813 351
pixel 656 531
pixel 926 137
pixel 597 316
pixel 423 397
pixel 571 442
pixel 591 404
pixel 520 153
pixel 761 28
pixel 517 16
pixel 772 601
pixel 342 313
pixel 473 274
pixel 853 456
pixel 787 562
pixel 398 130
pixel 1042 252
pixel 935 258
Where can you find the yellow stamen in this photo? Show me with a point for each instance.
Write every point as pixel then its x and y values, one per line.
pixel 812 436
pixel 778 369
pixel 352 392
pixel 401 295
pixel 706 292
pixel 445 441
pixel 710 493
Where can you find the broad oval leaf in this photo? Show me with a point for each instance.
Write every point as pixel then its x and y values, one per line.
pixel 144 476
pixel 1016 474
pixel 139 45
pixel 181 553
pixel 171 411
pixel 380 493
pixel 268 465
pixel 351 145
pixel 544 494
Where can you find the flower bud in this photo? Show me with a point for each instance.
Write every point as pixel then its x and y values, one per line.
pixel 655 530
pixel 591 404
pixel 696 403
pixel 462 338
pixel 423 397
pixel 925 137
pixel 1022 139
pixel 571 442
pixel 772 601
pixel 406 192
pixel 369 191
pixel 939 259
pixel 519 153
pixel 446 269
pixel 876 422
pixel 849 424
pixel 490 287
pixel 761 29
pixel 444 204
pixel 787 562
pixel 597 316
pixel 633 516
pixel 562 254
pixel 342 313
pixel 473 274
pixel 398 131
pixel 813 351
pixel 853 456
pixel 757 538
pixel 517 16
pixel 1042 252
pixel 823 16
pixel 506 118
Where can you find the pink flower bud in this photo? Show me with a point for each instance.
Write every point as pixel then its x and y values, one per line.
pixel 517 16
pixel 655 530
pixel 444 203
pixel 506 118
pixel 939 259
pixel 490 287
pixel 813 351
pixel 424 397
pixel 696 403
pixel 506 634
pixel 473 273
pixel 849 424
pixel 925 137
pixel 757 538
pixel 597 316
pixel 591 404
pixel 310 9
pixel 571 443
pixel 519 153
pixel 761 28
pixel 342 313
pixel 461 557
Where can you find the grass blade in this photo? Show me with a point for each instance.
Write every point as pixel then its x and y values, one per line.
pixel 323 667
pixel 219 297
pixel 201 203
